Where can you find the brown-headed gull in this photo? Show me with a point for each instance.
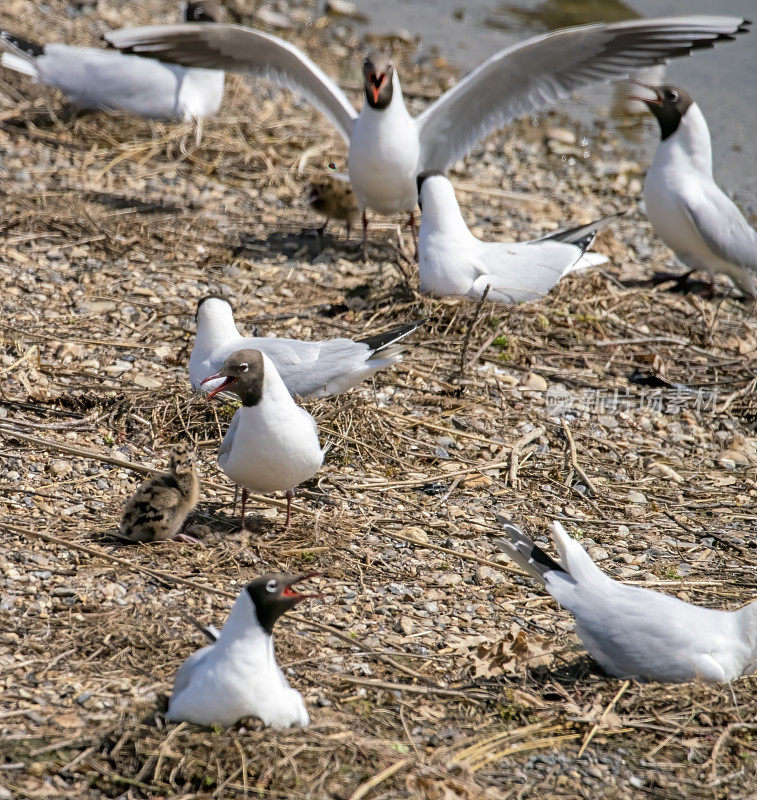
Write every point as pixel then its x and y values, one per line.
pixel 97 79
pixel 687 209
pixel 237 675
pixel 272 443
pixel 634 632
pixel 389 147
pixel 453 262
pixel 308 369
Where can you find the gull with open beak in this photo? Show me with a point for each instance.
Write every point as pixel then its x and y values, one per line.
pixel 237 675
pixel 389 147
pixel 272 443
pixel 687 209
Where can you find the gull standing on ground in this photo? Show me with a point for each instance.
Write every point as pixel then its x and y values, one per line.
pixel 687 209
pixel 634 632
pixel 105 80
pixel 388 147
pixel 272 443
pixel 237 675
pixel 308 369
pixel 453 262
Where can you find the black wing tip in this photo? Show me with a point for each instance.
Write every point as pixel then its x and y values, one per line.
pixel 381 340
pixel 26 46
pixel 540 561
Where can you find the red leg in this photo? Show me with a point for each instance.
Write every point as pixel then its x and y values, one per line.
pixel 365 235
pixel 414 233
pixel 288 522
pixel 244 503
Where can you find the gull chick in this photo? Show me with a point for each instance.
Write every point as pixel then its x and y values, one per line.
pixel 634 632
pixel 237 675
pixel 272 443
pixel 97 79
pixel 687 209
pixel 158 509
pixel 308 369
pixel 331 196
pixel 453 262
pixel 388 146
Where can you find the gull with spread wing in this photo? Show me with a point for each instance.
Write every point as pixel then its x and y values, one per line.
pixel 389 147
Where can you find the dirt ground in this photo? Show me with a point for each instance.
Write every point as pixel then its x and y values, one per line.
pixel 432 668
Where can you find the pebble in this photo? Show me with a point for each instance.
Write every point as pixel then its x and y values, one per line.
pixel 58 467
pixel 637 497
pixel 486 574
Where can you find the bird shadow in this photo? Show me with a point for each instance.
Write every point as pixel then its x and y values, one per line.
pixel 290 243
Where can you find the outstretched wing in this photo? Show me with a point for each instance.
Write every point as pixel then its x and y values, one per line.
pixel 544 69
pixel 238 49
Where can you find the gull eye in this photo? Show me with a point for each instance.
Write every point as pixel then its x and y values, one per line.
pixel 272 585
pixel 244 367
pixel 673 96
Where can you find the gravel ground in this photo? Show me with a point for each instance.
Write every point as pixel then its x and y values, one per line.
pixel 432 668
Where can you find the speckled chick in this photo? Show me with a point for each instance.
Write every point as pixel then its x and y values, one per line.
pixel 332 197
pixel 158 509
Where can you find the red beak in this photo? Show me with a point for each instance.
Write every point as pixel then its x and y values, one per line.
pixel 292 595
pixel 220 388
pixel 376 82
pixel 657 101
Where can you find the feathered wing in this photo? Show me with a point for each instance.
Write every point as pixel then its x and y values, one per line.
pixel 19 54
pixel 544 69
pixel 238 49
pixel 722 226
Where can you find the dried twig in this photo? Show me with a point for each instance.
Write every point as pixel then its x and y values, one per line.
pixel 516 451
pixel 574 459
pixel 468 333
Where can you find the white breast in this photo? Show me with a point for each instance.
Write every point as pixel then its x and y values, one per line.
pixel 384 156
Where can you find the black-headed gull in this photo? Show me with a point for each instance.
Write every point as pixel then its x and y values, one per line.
pixel 272 443
pixel 388 147
pixel 308 369
pixel 98 79
pixel 687 209
pixel 237 675
pixel 158 509
pixel 453 262
pixel 634 632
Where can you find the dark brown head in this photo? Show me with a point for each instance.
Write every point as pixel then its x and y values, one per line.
pixel 204 11
pixel 272 595
pixel 244 372
pixel 378 72
pixel 669 105
pixel 182 459
pixel 207 297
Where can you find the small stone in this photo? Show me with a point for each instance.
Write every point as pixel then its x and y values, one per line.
pixel 406 625
pixel 534 381
pixel 637 497
pixel 598 553
pixel 58 467
pixel 486 574
pixel 450 579
pixel 146 382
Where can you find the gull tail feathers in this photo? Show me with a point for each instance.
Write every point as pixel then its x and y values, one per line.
pixel 582 235
pixel 210 632
pixel 19 54
pixel 527 555
pixel 381 344
pixel 576 561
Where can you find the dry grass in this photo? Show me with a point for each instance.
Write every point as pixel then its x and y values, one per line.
pixel 430 668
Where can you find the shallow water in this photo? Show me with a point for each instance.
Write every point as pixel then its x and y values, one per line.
pixel 723 80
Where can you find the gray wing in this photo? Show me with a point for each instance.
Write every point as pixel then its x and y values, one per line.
pixel 721 225
pixel 228 439
pixel 239 49
pixel 538 72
